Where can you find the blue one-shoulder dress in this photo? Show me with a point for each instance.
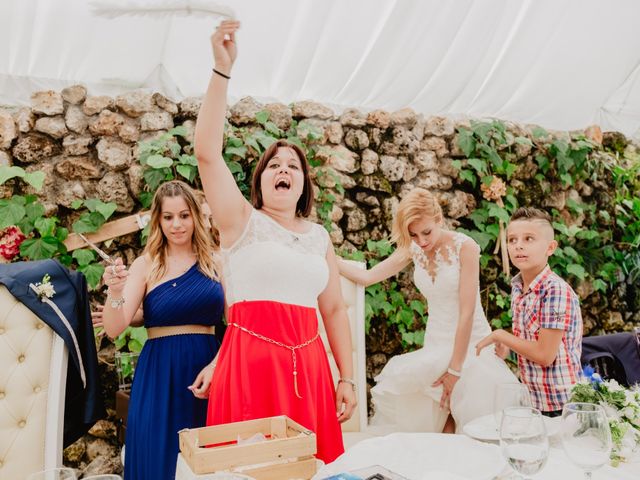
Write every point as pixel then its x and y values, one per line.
pixel 160 403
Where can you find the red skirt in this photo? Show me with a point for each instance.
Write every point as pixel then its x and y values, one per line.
pixel 254 378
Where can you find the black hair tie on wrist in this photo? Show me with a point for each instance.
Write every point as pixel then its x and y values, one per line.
pixel 221 74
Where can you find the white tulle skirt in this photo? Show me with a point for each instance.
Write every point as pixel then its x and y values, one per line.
pixel 404 399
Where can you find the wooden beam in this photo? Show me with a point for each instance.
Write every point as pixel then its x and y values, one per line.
pixel 110 230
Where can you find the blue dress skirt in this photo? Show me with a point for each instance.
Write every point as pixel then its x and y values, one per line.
pixel 160 403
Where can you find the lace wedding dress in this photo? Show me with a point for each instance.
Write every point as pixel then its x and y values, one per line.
pixel 403 397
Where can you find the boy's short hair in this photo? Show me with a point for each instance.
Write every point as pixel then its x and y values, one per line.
pixel 531 213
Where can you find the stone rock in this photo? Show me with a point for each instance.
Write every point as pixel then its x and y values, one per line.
pixel 426 160
pixel 406 117
pixel 613 322
pixel 555 200
pixel 190 127
pixel 25 119
pixel 454 148
pixel 309 109
pixel 392 167
pixel 70 191
pixel 107 123
pixel 410 172
pixel 375 137
pixel 333 132
pixel 433 180
pixel 190 106
pixel 522 150
pixel 584 289
pixel 418 130
pixel 356 139
pixel 136 103
pixel 94 105
pixel 390 148
pixel 136 179
pixel 108 462
pixel 389 208
pixel 104 429
pixel 35 147
pixel 74 94
pixel 369 162
pixel 7 129
pixel 152 121
pixel 312 130
pixel 435 144
pixel 457 204
pixel 279 114
pixel 336 213
pixel 359 238
pixel 244 111
pixel 113 188
pixel 73 453
pixel 115 154
pixel 527 169
pixel 129 131
pixel 164 103
pixel 75 119
pixel 52 126
pixel 336 235
pixel 354 118
pixel 328 177
pixel 338 157
pixel 375 182
pixel 49 186
pixel 5 159
pixel 367 199
pixel 47 103
pixel 78 168
pixel 439 127
pixel 379 118
pixel 445 167
pixel 403 138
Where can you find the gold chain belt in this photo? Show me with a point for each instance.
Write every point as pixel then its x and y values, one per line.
pixel 283 345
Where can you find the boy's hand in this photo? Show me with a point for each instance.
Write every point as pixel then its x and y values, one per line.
pixel 486 341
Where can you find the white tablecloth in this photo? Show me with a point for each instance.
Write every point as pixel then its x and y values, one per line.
pixel 429 456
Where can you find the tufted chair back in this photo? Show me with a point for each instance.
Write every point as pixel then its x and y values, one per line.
pixel 353 296
pixel 33 374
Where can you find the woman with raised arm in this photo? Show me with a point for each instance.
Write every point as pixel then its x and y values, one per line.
pixel 278 268
pixel 443 385
pixel 175 280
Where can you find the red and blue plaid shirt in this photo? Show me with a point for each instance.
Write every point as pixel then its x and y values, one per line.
pixel 548 303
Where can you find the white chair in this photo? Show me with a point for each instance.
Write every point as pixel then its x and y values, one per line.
pixel 32 389
pixel 357 427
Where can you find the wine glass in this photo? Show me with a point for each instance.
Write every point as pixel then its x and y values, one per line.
pixel 54 474
pixel 523 439
pixel 586 436
pixel 509 395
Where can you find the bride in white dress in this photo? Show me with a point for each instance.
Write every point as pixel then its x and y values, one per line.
pixel 443 385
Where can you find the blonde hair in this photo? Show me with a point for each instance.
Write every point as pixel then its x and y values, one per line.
pixel 417 204
pixel 156 248
pixel 213 229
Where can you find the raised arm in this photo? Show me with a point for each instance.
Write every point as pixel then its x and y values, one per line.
pixel 128 288
pixel 229 209
pixel 383 270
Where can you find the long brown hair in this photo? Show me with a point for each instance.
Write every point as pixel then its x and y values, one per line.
pixel 156 248
pixel 305 202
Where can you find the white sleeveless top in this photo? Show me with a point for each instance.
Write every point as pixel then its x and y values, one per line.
pixel 269 262
pixel 439 281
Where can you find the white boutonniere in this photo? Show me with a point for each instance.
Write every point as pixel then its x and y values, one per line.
pixel 44 289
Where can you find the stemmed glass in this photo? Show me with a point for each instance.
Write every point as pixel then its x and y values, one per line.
pixel 523 439
pixel 509 395
pixel 586 436
pixel 54 474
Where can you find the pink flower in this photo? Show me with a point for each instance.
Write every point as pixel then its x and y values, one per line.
pixel 10 240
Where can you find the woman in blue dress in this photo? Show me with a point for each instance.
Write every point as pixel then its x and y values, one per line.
pixel 175 281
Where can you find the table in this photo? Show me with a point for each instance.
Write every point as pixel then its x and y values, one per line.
pixel 429 456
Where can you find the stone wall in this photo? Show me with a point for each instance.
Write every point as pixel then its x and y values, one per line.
pixel 87 146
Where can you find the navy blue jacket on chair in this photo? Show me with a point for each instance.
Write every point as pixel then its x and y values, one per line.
pixel 83 401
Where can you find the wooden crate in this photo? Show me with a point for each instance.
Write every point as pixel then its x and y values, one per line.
pixel 288 452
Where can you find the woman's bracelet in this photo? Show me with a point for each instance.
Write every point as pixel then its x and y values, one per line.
pixel 453 372
pixel 349 381
pixel 224 75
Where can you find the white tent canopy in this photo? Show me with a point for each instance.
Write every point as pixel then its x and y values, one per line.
pixel 560 64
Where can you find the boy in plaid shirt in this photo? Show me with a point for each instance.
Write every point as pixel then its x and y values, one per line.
pixel 547 323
